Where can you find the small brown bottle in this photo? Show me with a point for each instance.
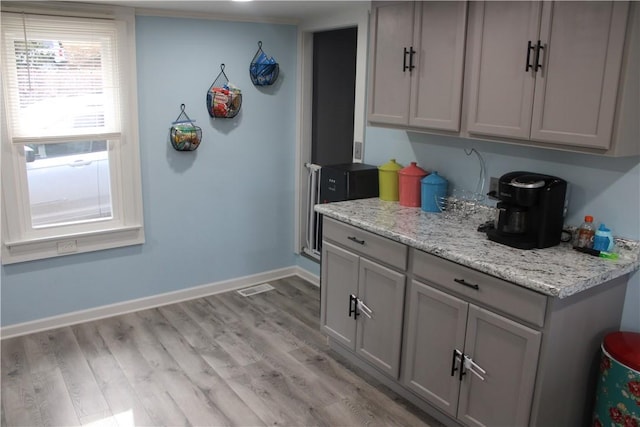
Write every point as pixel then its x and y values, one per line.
pixel 585 233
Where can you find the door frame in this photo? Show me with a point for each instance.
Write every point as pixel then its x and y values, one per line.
pixel 353 16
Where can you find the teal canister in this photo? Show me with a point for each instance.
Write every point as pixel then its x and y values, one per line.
pixel 433 192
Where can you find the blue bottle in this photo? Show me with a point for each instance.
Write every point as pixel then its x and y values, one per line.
pixel 603 239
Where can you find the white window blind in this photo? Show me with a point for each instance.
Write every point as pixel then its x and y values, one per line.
pixel 55 69
pixel 70 166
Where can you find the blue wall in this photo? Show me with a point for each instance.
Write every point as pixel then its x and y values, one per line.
pixel 223 211
pixel 607 188
pixel 226 210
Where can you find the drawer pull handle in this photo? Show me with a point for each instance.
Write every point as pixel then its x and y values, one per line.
pixel 465 283
pixel 356 240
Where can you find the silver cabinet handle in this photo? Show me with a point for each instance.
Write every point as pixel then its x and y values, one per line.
pixel 364 309
pixel 470 365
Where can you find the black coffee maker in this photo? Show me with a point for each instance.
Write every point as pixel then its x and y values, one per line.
pixel 530 213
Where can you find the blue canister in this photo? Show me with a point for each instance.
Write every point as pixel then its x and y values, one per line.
pixel 433 192
pixel 603 239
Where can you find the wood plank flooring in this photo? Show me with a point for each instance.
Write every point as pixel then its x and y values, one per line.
pixel 220 360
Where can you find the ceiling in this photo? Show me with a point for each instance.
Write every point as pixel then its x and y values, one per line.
pixel 262 10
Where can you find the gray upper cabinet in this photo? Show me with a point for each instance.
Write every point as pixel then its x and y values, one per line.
pixel 501 91
pixel 575 95
pixel 417 63
pixel 389 77
pixel 546 71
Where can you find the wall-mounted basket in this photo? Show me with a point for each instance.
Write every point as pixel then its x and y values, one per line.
pixel 263 70
pixel 223 98
pixel 184 134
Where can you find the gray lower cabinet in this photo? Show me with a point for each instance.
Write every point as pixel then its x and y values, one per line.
pixel 473 364
pixel 339 282
pixel 465 346
pixel 436 325
pixel 507 352
pixel 362 305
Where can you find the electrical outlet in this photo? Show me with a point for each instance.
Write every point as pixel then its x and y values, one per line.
pixel 493 186
pixel 67 247
pixel 357 150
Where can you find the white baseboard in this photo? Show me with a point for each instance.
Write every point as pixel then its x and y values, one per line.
pixel 110 310
pixel 309 277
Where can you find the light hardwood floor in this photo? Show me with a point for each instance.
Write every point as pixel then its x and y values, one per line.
pixel 220 360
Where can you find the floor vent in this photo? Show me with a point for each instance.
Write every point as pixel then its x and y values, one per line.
pixel 247 292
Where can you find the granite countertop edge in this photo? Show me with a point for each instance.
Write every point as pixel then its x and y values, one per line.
pixel 569 282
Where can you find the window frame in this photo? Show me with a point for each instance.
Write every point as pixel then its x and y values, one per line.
pixel 22 242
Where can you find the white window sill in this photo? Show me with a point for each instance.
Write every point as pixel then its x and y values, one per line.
pixel 69 244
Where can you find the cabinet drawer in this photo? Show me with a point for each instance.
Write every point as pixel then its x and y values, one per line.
pixel 366 243
pixel 490 291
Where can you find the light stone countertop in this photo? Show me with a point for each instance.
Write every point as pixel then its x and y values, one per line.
pixel 559 271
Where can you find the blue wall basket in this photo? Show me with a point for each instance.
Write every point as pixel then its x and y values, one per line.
pixel 263 70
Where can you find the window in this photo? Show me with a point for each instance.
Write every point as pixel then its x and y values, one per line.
pixel 80 174
pixel 70 156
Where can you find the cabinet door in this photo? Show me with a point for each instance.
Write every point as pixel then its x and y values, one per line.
pixel 339 280
pixel 389 90
pixel 436 82
pixel 575 93
pixel 501 90
pixel 436 326
pixel 379 336
pixel 508 352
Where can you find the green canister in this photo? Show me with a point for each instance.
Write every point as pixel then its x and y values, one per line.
pixel 388 180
